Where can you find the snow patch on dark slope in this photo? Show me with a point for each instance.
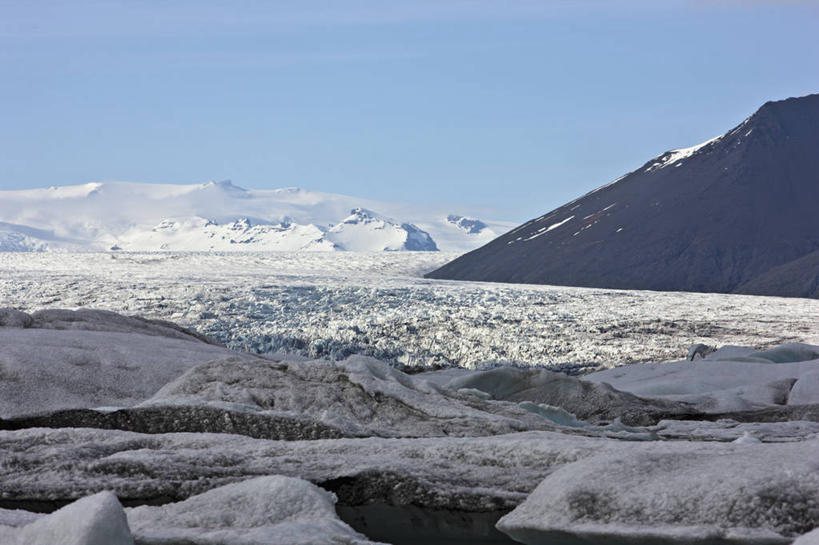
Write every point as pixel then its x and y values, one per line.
pixel 734 214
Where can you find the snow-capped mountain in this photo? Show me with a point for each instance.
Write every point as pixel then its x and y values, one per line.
pixel 221 216
pixel 734 214
pixel 363 228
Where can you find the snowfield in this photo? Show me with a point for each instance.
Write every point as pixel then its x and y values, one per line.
pixel 221 216
pixel 319 305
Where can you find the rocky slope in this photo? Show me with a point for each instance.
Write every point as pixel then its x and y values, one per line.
pixel 735 214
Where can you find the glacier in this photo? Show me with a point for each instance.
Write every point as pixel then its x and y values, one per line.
pixel 320 305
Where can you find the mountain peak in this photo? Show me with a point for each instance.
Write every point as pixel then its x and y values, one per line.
pixel 470 225
pixel 218 215
pixel 785 119
pixel 92 188
pixel 224 185
pixel 363 215
pixel 712 217
pixel 363 225
pixel 811 100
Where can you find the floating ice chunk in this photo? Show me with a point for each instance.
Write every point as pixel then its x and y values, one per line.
pixel 360 396
pixel 790 353
pixel 16 517
pixel 727 380
pixel 676 492
pixel 272 510
pixel 93 520
pixel 583 400
pixel 53 368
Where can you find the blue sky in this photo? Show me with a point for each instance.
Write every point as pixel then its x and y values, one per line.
pixel 517 106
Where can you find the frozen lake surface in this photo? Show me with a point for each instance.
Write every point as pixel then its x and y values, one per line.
pixel 379 304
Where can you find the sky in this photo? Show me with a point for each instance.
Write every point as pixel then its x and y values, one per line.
pixel 514 107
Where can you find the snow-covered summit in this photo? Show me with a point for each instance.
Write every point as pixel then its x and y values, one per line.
pixel 470 225
pixel 363 229
pixel 673 157
pixel 222 216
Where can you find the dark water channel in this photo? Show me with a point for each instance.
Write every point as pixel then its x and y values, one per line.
pixel 407 525
pixel 412 525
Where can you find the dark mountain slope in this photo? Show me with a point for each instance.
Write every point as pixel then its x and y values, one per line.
pixel 711 218
pixel 797 278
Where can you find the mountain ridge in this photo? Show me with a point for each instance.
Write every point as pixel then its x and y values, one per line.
pixel 709 218
pixel 222 216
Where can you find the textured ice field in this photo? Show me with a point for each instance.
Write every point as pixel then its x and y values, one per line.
pixel 334 305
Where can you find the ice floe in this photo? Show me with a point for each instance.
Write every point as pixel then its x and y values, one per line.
pixel 681 492
pixel 587 486
pixel 730 379
pixel 359 397
pixel 94 520
pixel 270 510
pixel 59 359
